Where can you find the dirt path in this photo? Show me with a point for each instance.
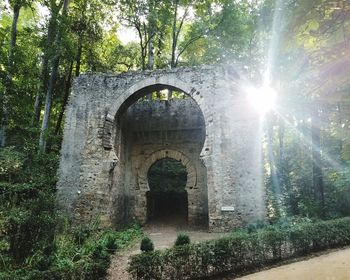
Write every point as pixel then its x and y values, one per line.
pixel 119 264
pixel 331 266
pixel 163 237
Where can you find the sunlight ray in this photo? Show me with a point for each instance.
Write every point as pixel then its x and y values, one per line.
pixel 307 140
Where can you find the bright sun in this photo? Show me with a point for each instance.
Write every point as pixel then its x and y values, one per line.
pixel 262 99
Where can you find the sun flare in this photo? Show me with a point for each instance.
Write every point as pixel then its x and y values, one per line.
pixel 262 99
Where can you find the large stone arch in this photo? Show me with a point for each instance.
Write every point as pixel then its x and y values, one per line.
pixel 109 130
pixel 167 80
pixel 113 130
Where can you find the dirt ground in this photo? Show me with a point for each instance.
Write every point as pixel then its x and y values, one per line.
pixel 334 265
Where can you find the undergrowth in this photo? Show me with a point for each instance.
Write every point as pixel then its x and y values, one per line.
pixel 35 242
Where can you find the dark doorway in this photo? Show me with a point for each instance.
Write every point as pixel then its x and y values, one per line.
pixel 167 199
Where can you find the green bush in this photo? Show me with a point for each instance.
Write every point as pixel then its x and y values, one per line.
pixel 256 226
pixel 146 245
pixel 241 251
pixel 182 239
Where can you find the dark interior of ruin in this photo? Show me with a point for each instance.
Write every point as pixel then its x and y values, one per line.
pixel 167 198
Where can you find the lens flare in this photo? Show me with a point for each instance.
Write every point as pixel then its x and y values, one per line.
pixel 262 99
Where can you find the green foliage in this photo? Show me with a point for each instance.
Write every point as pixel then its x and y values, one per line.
pixel 182 239
pixel 242 251
pixel 35 242
pixel 11 161
pixel 87 259
pixel 167 175
pixel 256 226
pixel 146 244
pixel 27 215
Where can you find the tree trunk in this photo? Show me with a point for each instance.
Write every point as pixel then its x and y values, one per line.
pixel 16 10
pixel 52 82
pixel 281 130
pixel 276 191
pixel 173 37
pixel 8 78
pixel 45 68
pixel 271 158
pixel 317 178
pixel 340 122
pixel 142 48
pixel 159 49
pixel 65 98
pixel 150 62
pixel 80 50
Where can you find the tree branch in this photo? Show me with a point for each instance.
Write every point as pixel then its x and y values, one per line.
pixel 191 41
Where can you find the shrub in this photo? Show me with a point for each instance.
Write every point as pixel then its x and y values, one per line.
pixel 146 245
pixel 256 226
pixel 241 251
pixel 182 239
pixel 109 241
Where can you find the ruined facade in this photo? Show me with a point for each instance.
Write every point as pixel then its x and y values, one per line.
pixel 112 138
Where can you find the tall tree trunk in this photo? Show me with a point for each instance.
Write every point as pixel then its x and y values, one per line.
pixel 150 30
pixel 340 122
pixel 78 60
pixel 37 105
pixel 150 62
pixel 174 37
pixel 271 157
pixel 8 78
pixel 159 49
pixel 281 130
pixel 45 68
pixel 143 58
pixel 16 10
pixel 143 47
pixel 276 191
pixel 52 82
pixel 317 177
pixel 65 98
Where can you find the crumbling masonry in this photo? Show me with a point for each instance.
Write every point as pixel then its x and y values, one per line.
pixel 111 141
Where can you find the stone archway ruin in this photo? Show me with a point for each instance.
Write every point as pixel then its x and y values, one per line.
pixel 93 183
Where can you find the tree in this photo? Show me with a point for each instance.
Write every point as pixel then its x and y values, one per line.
pixel 47 55
pixel 150 19
pixel 16 6
pixel 53 77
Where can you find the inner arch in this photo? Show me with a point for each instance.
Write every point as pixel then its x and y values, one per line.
pixel 167 199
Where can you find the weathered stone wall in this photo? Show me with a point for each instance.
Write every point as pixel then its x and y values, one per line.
pixel 92 178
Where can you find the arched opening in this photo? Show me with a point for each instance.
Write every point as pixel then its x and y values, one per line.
pixel 167 199
pixel 160 118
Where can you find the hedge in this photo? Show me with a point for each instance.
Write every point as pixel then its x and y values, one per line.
pixel 241 251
